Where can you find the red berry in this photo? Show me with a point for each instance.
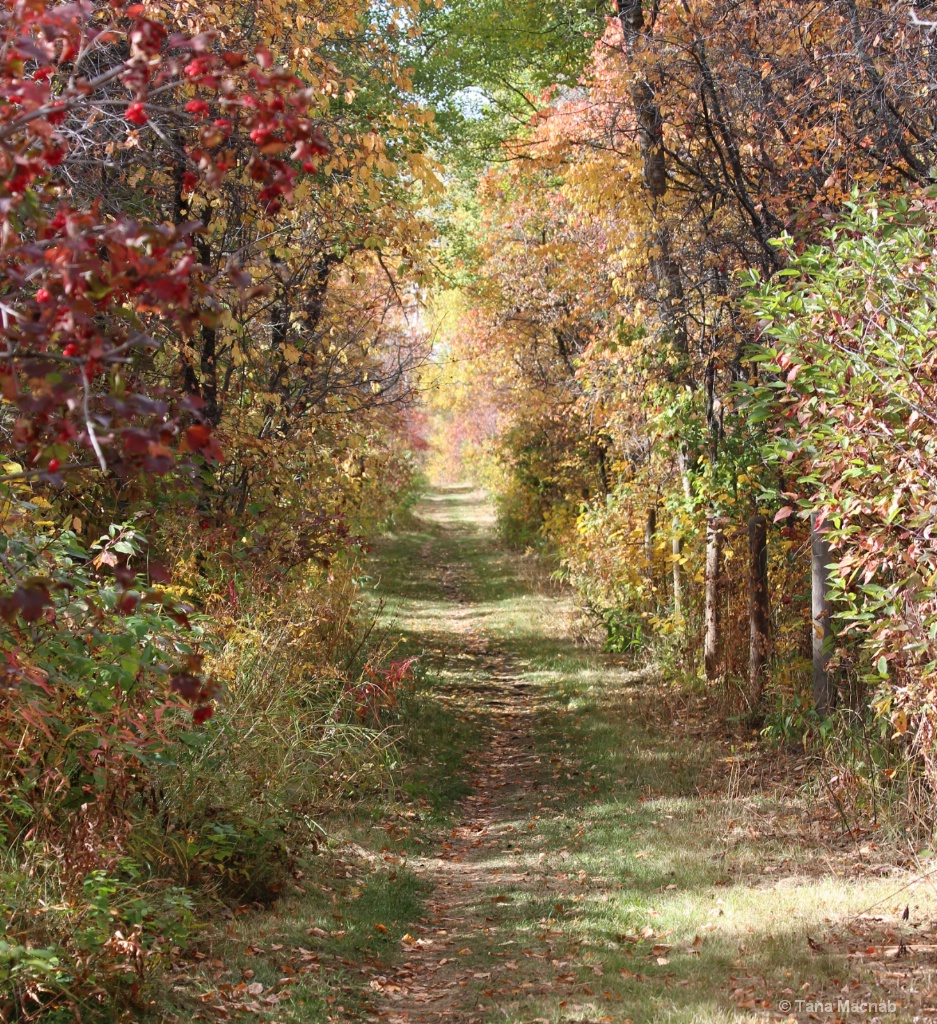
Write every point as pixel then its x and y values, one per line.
pixel 136 114
pixel 54 465
pixel 43 295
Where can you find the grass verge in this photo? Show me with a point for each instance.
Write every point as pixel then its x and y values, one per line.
pixel 350 897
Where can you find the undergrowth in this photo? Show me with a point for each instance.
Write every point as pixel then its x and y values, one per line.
pixel 120 856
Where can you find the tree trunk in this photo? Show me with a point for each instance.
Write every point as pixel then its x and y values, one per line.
pixel 677 551
pixel 671 300
pixel 713 560
pixel 683 464
pixel 820 616
pixel 601 458
pixel 650 529
pixel 758 606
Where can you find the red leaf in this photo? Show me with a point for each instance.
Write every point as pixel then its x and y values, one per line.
pixel 28 601
pixel 187 685
pixel 127 602
pixel 158 572
pixel 197 437
pixel 202 714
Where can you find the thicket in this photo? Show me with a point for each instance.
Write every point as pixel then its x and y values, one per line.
pixel 695 343
pixel 211 237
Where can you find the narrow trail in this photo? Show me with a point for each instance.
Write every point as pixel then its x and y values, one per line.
pixel 438 979
pixel 605 866
pixel 461 953
pixel 440 974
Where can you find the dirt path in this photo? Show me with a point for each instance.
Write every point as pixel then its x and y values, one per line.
pixel 461 953
pixel 460 950
pixel 438 979
pixel 599 870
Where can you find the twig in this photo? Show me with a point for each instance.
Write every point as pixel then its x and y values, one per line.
pixel 892 895
pixel 86 408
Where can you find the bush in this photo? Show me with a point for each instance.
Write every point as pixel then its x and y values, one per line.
pixel 848 366
pixel 124 816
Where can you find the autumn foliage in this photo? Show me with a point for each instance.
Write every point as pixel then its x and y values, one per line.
pixel 670 299
pixel 210 234
pixel 666 370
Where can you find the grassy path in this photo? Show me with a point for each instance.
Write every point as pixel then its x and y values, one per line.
pixel 613 860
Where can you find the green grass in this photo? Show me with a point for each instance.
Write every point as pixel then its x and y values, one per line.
pixel 304 953
pixel 649 863
pixel 660 873
pixel 434 747
pixel 350 905
pixel 353 899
